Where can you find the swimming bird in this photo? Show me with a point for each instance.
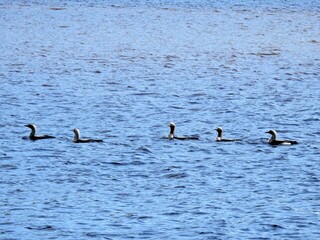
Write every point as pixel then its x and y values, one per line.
pixel 172 135
pixel 77 138
pixel 273 139
pixel 33 136
pixel 221 139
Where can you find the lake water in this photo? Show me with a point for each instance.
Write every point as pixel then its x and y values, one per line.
pixel 121 71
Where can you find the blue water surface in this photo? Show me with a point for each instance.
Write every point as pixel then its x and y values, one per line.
pixel 121 71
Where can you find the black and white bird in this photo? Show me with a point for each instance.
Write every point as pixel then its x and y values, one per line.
pixel 77 138
pixel 172 135
pixel 274 141
pixel 221 139
pixel 33 135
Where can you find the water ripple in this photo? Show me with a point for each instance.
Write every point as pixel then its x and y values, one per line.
pixel 121 71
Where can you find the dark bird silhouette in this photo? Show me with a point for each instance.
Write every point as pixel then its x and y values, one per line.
pixel 33 135
pixel 273 139
pixel 172 135
pixel 221 139
pixel 77 138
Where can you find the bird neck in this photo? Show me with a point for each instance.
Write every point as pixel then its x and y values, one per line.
pixel 273 137
pixel 33 132
pixel 76 135
pixel 172 128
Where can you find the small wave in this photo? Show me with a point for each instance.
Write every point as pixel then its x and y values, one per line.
pixel 136 163
pixel 47 85
pixel 273 226
pixel 56 8
pixel 144 149
pixel 172 213
pixel 8 166
pixel 100 235
pixel 138 176
pixel 199 213
pixel 145 94
pixel 176 175
pixel 45 227
pixel 117 163
pixel 312 119
pixel 177 107
pixel 263 54
pixel 198 95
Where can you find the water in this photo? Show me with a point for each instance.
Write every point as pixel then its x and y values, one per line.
pixel 122 71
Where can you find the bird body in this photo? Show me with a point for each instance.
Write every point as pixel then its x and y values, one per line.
pixel 77 138
pixel 33 135
pixel 274 141
pixel 221 139
pixel 172 135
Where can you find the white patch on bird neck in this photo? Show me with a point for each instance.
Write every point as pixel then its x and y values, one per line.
pixel 273 135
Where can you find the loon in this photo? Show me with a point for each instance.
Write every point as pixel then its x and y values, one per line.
pixel 172 136
pixel 77 138
pixel 274 141
pixel 220 139
pixel 33 136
